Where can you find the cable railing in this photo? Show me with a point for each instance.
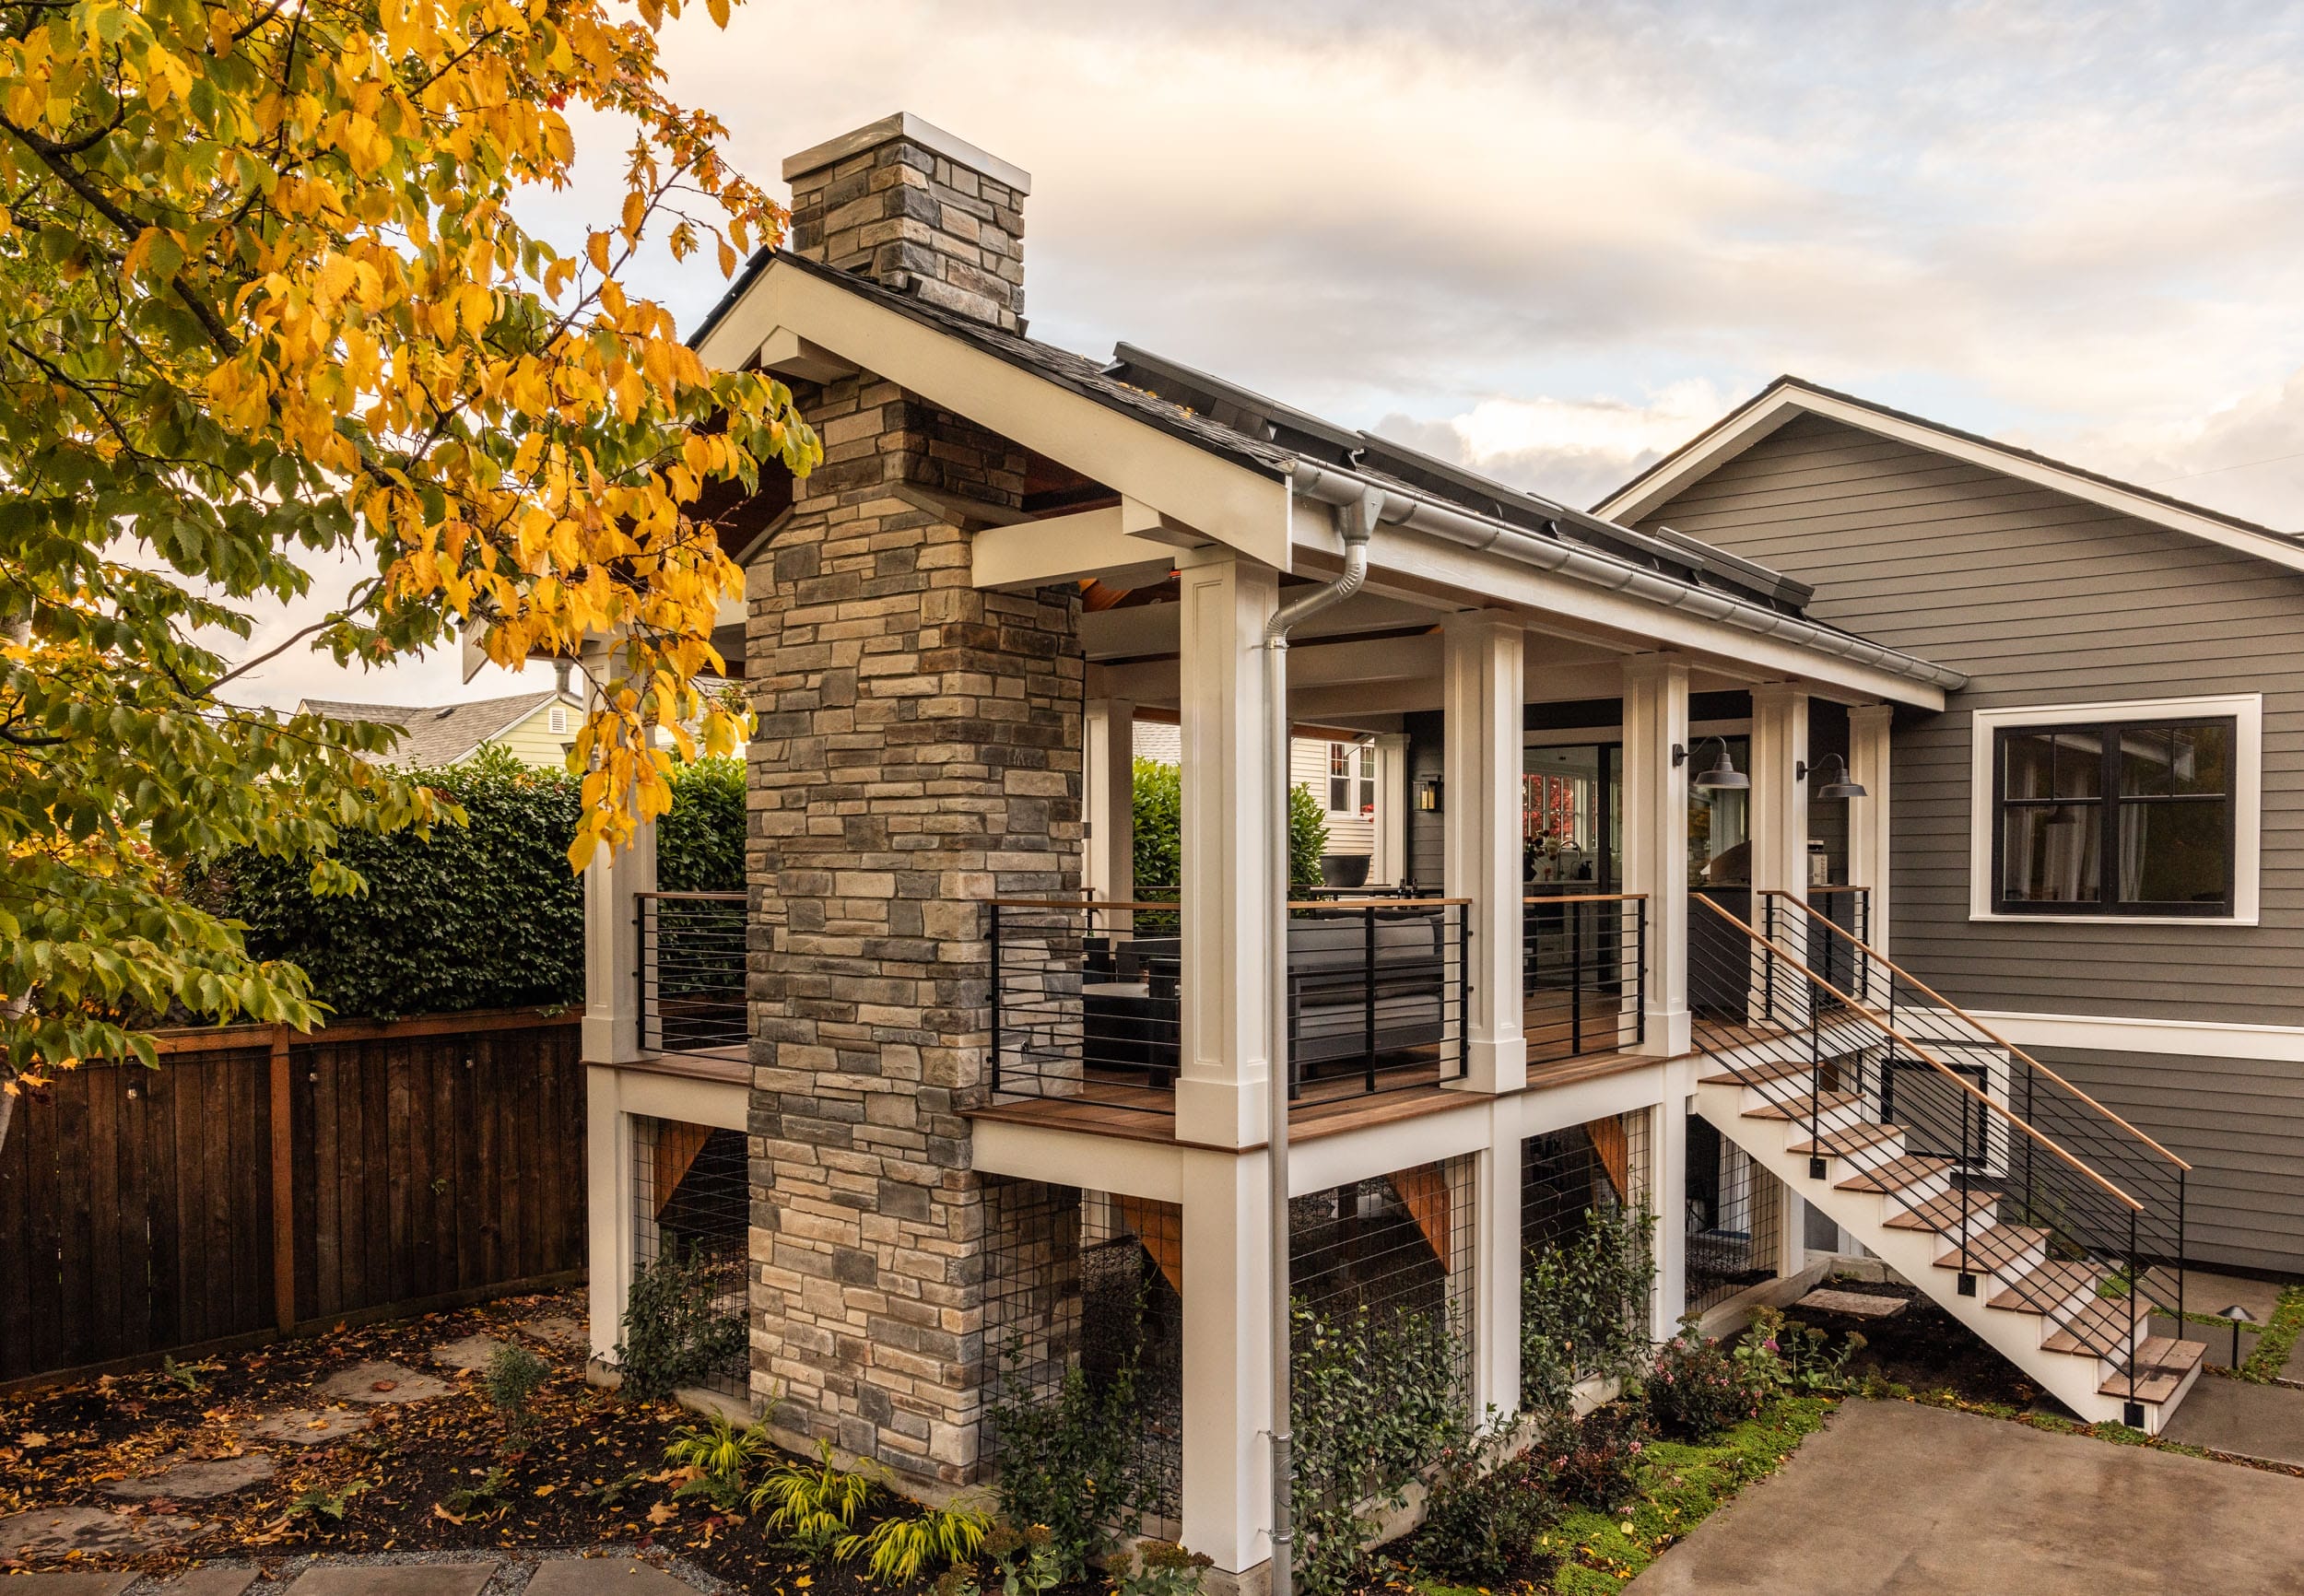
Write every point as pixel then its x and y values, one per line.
pixel 691 971
pixel 2035 1191
pixel 1087 997
pixel 1584 970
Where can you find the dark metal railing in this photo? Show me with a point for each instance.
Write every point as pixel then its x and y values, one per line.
pixel 1087 997
pixel 691 971
pixel 1584 972
pixel 2042 1197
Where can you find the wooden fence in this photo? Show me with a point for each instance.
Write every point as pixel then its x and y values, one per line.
pixel 259 1181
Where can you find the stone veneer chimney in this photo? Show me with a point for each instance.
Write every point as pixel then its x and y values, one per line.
pixel 918 210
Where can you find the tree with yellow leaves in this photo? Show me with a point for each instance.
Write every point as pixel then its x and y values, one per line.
pixel 266 302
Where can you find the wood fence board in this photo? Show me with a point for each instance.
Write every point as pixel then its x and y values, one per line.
pixel 16 1179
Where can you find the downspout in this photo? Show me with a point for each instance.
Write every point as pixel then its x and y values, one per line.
pixel 1355 523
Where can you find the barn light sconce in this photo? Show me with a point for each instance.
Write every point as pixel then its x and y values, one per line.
pixel 1427 794
pixel 1846 786
pixel 1723 777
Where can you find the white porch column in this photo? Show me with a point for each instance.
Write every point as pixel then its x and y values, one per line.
pixel 1227 1506
pixel 1656 838
pixel 1392 809
pixel 1109 801
pixel 1496 1266
pixel 1225 603
pixel 1480 800
pixel 608 1208
pixel 1780 799
pixel 1868 841
pixel 1667 1199
pixel 612 947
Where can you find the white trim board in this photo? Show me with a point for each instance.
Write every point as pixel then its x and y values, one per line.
pixel 2246 710
pixel 1788 401
pixel 2179 1038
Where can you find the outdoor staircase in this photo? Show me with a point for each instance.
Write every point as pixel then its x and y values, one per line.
pixel 2031 1227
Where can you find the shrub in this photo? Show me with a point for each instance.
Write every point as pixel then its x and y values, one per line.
pixel 1779 1353
pixel 898 1551
pixel 700 843
pixel 1697 1390
pixel 1071 1465
pixel 814 1505
pixel 1159 1568
pixel 722 1456
pixel 1028 1558
pixel 1583 1307
pixel 675 1330
pixel 1485 1515
pixel 1157 810
pixel 513 1375
pixel 1593 1462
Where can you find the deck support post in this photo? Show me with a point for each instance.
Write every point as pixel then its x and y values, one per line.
pixel 1484 684
pixel 1656 837
pixel 1227 1504
pixel 1496 1266
pixel 1868 846
pixel 1224 604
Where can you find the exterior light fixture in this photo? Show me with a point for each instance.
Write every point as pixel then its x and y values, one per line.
pixel 2239 1316
pixel 1722 777
pixel 1427 794
pixel 1845 787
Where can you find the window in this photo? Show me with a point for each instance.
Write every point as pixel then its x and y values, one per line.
pixel 1351 775
pixel 2143 812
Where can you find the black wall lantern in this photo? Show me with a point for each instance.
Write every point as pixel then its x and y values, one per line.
pixel 1846 786
pixel 1427 794
pixel 1722 777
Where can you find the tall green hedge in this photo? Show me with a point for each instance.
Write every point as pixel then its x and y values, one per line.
pixel 1158 808
pixel 482 916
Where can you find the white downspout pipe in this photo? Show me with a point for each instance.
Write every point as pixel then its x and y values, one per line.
pixel 1355 523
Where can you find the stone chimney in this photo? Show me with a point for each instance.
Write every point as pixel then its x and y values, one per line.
pixel 919 211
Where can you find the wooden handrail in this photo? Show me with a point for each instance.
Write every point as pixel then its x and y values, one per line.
pixel 1999 1040
pixel 1592 897
pixel 1927 1058
pixel 696 896
pixel 1383 903
pixel 1175 905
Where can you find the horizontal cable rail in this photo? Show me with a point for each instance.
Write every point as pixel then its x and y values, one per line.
pixel 1087 997
pixel 1583 972
pixel 691 971
pixel 2023 1219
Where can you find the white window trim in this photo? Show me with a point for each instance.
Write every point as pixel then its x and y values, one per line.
pixel 2246 710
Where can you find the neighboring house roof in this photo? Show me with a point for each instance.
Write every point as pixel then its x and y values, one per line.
pixel 1279 443
pixel 1789 397
pixel 440 733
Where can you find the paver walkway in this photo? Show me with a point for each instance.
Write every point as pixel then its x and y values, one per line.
pixel 1895 1499
pixel 2248 1421
pixel 468 1576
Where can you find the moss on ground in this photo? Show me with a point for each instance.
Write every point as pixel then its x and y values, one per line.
pixel 2264 1364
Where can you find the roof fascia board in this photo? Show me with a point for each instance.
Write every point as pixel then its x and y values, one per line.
pixel 1773 410
pixel 1240 508
pixel 1423 558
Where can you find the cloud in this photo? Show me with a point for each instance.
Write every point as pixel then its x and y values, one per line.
pixel 1570 451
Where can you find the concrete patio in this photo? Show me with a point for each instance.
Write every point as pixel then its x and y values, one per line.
pixel 1892 1499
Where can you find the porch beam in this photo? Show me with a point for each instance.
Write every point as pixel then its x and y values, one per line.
pixel 1481 805
pixel 1089 542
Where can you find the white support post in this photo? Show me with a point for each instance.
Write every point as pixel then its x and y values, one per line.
pixel 608 1208
pixel 1227 1505
pixel 1780 843
pixel 1656 838
pixel 613 884
pixel 1225 603
pixel 1480 800
pixel 1495 1268
pixel 1667 1187
pixel 1109 804
pixel 1392 809
pixel 1868 835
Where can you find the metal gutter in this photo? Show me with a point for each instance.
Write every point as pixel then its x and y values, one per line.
pixel 1332 485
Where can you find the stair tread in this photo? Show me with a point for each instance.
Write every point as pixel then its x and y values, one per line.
pixel 1759 1073
pixel 1840 1144
pixel 1797 1107
pixel 1942 1213
pixel 2162 1365
pixel 1896 1174
pixel 2051 1285
pixel 1993 1248
pixel 2104 1327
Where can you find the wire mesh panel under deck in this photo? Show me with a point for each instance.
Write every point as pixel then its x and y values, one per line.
pixel 1732 1218
pixel 1089 1282
pixel 691 1219
pixel 1585 1216
pixel 1392 1255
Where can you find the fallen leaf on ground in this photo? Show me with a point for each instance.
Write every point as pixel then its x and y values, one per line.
pixel 662 1513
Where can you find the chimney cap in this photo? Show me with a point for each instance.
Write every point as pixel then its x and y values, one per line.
pixel 927 134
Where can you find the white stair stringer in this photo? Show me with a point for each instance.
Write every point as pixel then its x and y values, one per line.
pixel 2040 1302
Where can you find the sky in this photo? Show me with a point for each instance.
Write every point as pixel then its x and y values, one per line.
pixel 1554 240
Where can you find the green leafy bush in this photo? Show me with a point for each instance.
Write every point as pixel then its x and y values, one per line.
pixel 723 1457
pixel 1593 1462
pixel 1159 1568
pixel 1697 1389
pixel 675 1332
pixel 1375 1400
pixel 1779 1353
pixel 700 844
pixel 1484 1515
pixel 1028 1558
pixel 513 1375
pixel 1071 1465
pixel 1158 817
pixel 813 1507
pixel 1583 1307
pixel 478 916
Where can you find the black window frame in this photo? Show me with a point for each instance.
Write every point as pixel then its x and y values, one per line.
pixel 2106 803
